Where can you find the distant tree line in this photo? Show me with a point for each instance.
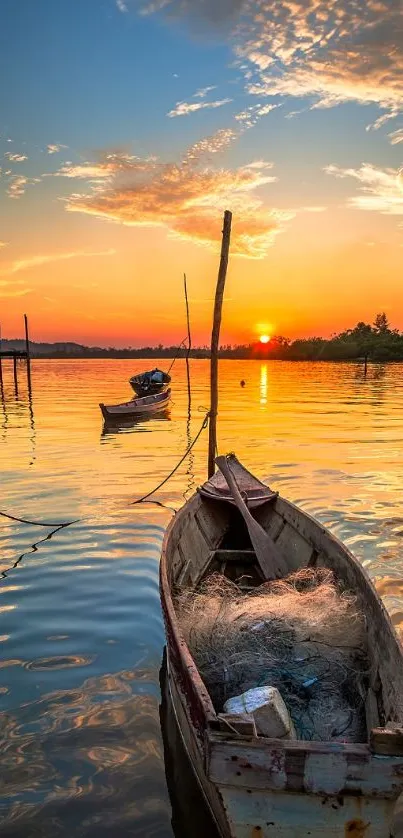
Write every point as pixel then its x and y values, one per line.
pixel 376 342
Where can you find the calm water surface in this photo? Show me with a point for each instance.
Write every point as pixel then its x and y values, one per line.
pixel 81 634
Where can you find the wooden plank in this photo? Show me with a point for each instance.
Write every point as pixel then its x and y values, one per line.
pixel 176 566
pixel 196 552
pixel 295 549
pixel 241 723
pixel 212 519
pixel 241 556
pixel 254 813
pixel 315 767
pixel 371 711
pixel 184 574
pixel 271 520
pixel 388 742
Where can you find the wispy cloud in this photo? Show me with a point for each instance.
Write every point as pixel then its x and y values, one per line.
pixel 6 293
pixel 121 6
pixel 331 52
pixel 202 93
pixel 381 190
pixel 187 198
pixel 107 166
pixel 15 158
pixel 312 209
pixel 3 244
pixel 250 116
pixel 382 119
pixel 45 258
pixel 185 108
pixel 396 136
pixel 54 148
pixel 18 183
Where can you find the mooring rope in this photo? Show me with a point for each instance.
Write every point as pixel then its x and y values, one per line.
pixel 52 525
pixel 61 525
pixel 188 450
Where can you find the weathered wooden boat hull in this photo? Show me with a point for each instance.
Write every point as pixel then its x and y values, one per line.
pixel 262 787
pixel 136 407
pixel 250 794
pixel 191 811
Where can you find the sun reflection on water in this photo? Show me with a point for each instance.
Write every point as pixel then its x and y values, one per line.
pixel 263 384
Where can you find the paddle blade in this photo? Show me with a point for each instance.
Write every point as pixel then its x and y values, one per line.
pixel 269 557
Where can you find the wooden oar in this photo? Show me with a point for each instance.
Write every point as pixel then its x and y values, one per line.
pixel 269 557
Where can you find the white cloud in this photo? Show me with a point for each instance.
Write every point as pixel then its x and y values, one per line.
pixel 54 148
pixel 84 171
pixel 121 6
pixel 331 51
pixel 202 93
pixel 15 158
pixel 381 189
pixel 396 136
pixel 385 117
pixel 251 115
pixel 185 108
pixel 18 183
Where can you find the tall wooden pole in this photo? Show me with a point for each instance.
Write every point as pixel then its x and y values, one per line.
pixel 1 365
pixel 189 343
pixel 27 351
pixel 15 375
pixel 215 337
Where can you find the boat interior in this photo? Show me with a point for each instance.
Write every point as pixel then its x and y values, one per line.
pixel 211 537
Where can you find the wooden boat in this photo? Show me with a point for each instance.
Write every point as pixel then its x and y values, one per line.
pixel 136 407
pixel 189 813
pixel 258 787
pixel 146 383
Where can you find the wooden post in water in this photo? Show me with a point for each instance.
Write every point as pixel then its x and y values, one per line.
pixel 15 375
pixel 1 365
pixel 215 337
pixel 189 342
pixel 27 351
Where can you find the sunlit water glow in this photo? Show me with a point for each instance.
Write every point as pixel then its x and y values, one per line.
pixel 81 634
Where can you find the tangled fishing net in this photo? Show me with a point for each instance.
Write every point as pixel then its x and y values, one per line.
pixel 300 634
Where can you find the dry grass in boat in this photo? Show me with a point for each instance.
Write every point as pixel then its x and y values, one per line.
pixel 301 635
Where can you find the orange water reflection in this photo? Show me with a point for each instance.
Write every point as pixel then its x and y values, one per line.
pixel 81 634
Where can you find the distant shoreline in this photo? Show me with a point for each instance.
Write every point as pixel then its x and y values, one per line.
pixel 199 356
pixel 375 343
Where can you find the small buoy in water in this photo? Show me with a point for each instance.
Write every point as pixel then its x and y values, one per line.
pixel 243 383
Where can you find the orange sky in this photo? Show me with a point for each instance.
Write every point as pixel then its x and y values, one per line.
pixel 132 292
pixel 113 184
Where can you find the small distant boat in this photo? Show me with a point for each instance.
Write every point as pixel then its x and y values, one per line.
pixel 149 382
pixel 136 407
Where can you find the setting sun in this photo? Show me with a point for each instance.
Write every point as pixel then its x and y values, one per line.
pixel 264 338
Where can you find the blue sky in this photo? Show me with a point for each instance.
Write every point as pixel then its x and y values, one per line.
pixel 123 131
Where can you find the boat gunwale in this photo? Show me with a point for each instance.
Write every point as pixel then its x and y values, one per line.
pixel 199 690
pixel 172 624
pixel 147 403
